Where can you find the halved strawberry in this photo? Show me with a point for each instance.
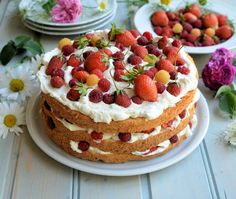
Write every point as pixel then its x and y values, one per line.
pixel 145 88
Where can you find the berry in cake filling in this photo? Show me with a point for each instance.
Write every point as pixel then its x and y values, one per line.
pixel 124 137
pixel 83 145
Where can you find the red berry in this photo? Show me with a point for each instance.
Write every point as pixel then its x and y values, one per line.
pixel 177 43
pixel 190 125
pixel 96 135
pixel 57 72
pixel 137 100
pixel 135 33
pixel 75 69
pixel 73 82
pixel 188 27
pixel 149 73
pixel 73 94
pixel 165 64
pixel 67 50
pixel 184 70
pixel 118 75
pixel 158 30
pixel 168 124
pixel 180 61
pixel 120 46
pixel 98 73
pixel 160 87
pixel 148 35
pixel 108 98
pixel 162 42
pixel 83 145
pixel 197 24
pixel 153 69
pixel 57 82
pixel 106 51
pixel 95 96
pixel 87 53
pixel 174 139
pixel 134 59
pixel 73 61
pixel 173 89
pixel 173 75
pixel 124 137
pixel 118 55
pixel 122 99
pixel 81 76
pixel 191 38
pixel 183 114
pixel 143 41
pixel 118 65
pixel 104 84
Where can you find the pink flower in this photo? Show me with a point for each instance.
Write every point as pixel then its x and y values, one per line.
pixel 66 11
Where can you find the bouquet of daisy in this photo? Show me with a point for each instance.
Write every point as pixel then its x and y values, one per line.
pixel 18 82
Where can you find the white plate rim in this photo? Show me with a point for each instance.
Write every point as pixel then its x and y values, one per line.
pixel 144 14
pixel 74 23
pixel 187 147
pixel 70 32
pixel 74 28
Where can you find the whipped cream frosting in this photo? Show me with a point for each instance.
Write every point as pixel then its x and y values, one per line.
pixel 101 112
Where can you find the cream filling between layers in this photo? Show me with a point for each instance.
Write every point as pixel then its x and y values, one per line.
pixel 160 147
pixel 101 112
pixel 134 136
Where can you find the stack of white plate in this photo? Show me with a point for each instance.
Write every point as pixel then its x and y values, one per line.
pixel 91 19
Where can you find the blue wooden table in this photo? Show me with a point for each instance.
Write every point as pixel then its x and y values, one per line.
pixel 27 173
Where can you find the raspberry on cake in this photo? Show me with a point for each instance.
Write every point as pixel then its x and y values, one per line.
pixel 119 95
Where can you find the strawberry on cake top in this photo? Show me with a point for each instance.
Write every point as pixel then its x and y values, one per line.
pixel 113 75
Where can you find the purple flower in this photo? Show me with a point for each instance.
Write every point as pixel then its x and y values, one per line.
pixel 66 11
pixel 219 71
pixel 214 75
pixel 222 56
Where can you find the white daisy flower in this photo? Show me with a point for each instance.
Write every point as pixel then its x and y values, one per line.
pixel 17 83
pixel 11 117
pixel 35 63
pixel 103 5
pixel 230 136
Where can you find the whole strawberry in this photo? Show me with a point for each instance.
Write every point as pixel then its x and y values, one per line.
pixel 145 88
pixel 96 60
pixel 56 61
pixel 123 37
pixel 159 18
pixel 74 61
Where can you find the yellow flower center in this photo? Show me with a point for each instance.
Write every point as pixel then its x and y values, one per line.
pixel 166 2
pixel 10 120
pixel 16 85
pixel 102 6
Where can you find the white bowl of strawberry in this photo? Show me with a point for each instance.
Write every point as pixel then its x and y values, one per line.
pixel 200 29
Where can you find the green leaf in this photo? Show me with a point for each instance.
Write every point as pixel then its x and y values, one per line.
pixel 8 52
pixel 227 103
pixel 48 6
pixel 33 47
pixel 224 89
pixel 21 40
pixel 234 62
